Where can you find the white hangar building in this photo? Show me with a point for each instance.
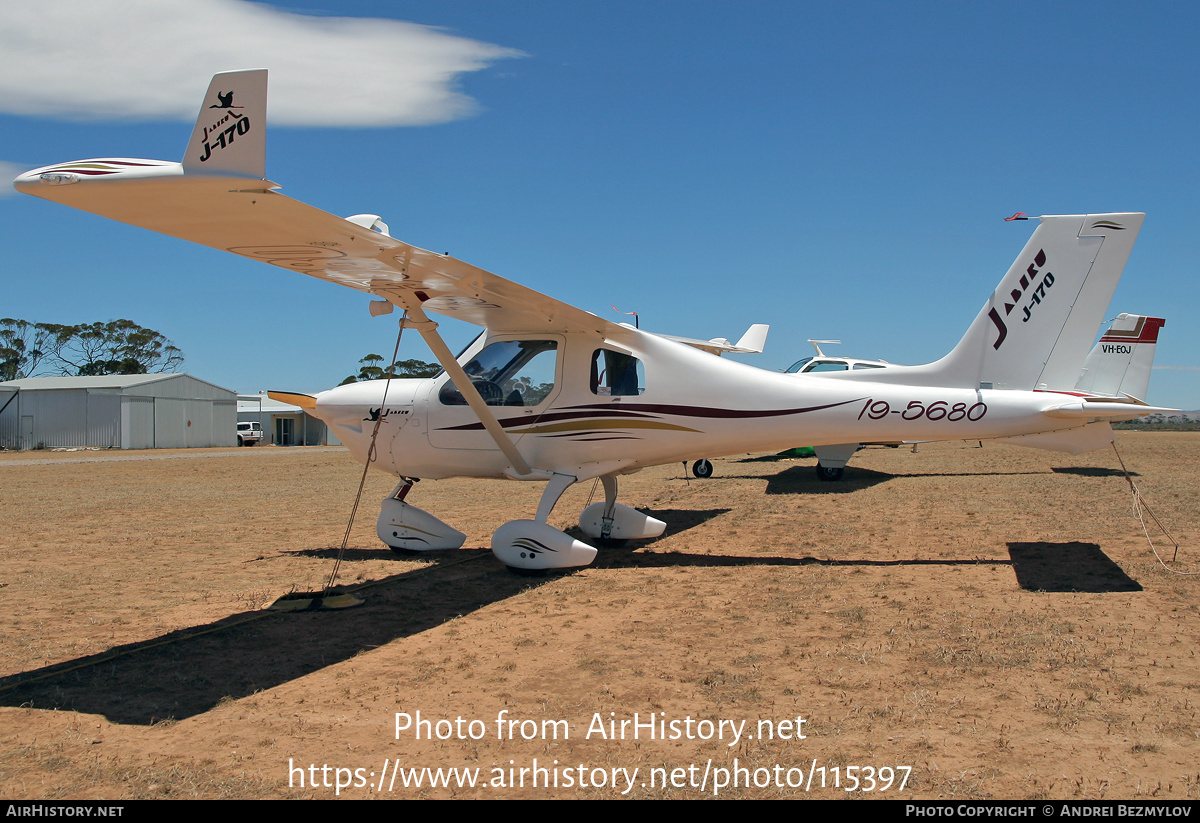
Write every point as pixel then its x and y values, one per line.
pixel 134 411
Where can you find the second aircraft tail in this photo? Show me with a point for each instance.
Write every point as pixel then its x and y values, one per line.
pixel 1119 365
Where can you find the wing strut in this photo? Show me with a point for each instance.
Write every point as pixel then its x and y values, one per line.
pixel 417 319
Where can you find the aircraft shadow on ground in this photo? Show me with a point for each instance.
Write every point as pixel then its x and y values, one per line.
pixel 616 558
pixel 677 520
pixel 971 474
pixel 1068 567
pixel 1092 471
pixel 188 672
pixel 769 458
pixel 1044 567
pixel 803 480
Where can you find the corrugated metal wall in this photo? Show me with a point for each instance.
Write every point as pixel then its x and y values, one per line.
pixel 10 420
pixel 137 422
pixel 103 418
pixel 59 418
pixel 224 422
pixel 176 412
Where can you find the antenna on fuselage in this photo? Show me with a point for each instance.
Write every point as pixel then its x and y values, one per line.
pixel 635 315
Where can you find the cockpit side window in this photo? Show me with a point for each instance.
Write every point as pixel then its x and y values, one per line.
pixel 617 374
pixel 509 373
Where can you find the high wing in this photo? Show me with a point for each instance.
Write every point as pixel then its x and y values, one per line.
pixel 225 208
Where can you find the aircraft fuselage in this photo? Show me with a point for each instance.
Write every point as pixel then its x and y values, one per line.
pixel 687 403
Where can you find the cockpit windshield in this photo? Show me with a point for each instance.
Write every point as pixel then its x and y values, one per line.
pixel 509 373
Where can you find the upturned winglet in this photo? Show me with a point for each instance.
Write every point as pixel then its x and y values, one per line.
pixel 230 135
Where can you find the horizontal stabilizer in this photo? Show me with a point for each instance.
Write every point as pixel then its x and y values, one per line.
pixel 1111 409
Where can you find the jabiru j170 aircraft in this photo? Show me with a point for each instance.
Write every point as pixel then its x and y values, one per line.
pixel 552 393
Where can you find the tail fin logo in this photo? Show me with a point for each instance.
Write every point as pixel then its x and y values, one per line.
pixel 224 101
pixel 219 135
pixel 1028 279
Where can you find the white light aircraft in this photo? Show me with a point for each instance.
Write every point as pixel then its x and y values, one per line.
pixel 552 393
pixel 832 363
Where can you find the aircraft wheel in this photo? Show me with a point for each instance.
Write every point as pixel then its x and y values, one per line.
pixel 829 473
pixel 404 552
pixel 703 469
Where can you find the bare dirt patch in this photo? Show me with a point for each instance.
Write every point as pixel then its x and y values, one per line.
pixel 992 618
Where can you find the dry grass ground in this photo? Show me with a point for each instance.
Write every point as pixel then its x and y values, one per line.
pixel 992 618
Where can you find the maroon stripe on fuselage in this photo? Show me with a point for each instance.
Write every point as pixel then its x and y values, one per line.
pixel 607 411
pixel 702 411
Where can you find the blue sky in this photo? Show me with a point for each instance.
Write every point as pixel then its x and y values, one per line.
pixel 834 170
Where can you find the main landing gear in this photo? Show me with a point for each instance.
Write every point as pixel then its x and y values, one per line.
pixel 830 473
pixel 832 460
pixel 535 545
pixel 522 545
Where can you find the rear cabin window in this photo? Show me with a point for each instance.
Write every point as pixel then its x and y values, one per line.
pixel 616 374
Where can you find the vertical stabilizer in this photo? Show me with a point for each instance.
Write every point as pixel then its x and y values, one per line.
pixel 230 136
pixel 1119 365
pixel 1034 331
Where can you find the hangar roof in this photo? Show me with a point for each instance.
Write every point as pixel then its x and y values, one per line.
pixel 107 381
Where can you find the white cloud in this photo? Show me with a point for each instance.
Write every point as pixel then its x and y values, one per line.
pixel 152 59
